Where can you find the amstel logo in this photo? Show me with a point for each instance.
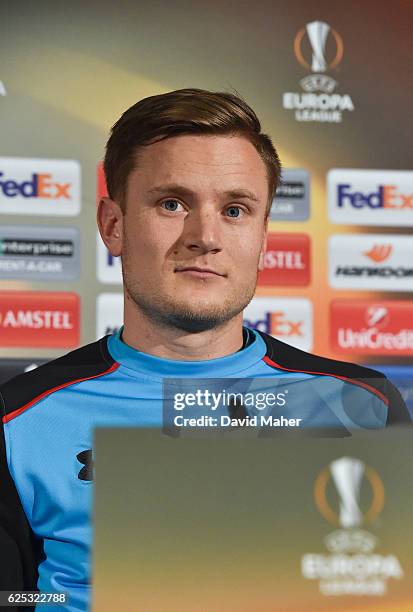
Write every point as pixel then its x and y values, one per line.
pixel 346 475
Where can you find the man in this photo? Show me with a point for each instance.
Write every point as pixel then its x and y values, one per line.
pixel 190 179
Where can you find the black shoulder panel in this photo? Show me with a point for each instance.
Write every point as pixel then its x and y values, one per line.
pixel 293 359
pixel 20 550
pixel 85 362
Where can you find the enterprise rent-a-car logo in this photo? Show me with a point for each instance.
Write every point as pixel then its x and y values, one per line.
pixel 39 252
pixel 370 197
pixel 39 186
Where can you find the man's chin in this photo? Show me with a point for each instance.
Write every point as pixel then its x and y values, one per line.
pixel 191 315
pixel 195 322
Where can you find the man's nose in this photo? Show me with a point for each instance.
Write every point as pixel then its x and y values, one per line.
pixel 202 231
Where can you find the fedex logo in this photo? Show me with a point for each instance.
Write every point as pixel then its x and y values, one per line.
pixel 277 324
pixel 370 197
pixel 288 319
pixel 39 186
pixel 386 196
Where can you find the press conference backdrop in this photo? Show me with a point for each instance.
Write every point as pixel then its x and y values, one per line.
pixel 331 85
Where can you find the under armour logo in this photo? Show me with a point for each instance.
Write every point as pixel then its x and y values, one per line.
pixel 86 457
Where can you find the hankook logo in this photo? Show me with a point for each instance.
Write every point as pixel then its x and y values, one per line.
pixel 379 261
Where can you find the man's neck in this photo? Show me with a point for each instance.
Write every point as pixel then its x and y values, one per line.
pixel 145 335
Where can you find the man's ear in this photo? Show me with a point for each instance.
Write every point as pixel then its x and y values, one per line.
pixel 110 222
pixel 261 261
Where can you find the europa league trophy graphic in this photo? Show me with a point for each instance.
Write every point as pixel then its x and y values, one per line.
pixel 317 32
pixel 347 474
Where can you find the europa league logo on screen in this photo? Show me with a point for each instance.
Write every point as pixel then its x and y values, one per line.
pixel 349 493
pixel 317 33
pixel 347 474
pixel 318 48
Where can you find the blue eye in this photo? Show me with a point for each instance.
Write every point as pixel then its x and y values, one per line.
pixel 234 211
pixel 171 205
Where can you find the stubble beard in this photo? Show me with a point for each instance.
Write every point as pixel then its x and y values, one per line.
pixel 170 312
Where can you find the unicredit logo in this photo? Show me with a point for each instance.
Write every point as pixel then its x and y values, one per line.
pixel 377 316
pixel 39 319
pixel 37 186
pixel 362 327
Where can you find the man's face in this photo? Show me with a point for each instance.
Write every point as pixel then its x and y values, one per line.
pixel 193 234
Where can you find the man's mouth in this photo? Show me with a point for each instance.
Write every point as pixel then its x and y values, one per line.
pixel 199 272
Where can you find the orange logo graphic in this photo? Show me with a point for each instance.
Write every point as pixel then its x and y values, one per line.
pixel 379 252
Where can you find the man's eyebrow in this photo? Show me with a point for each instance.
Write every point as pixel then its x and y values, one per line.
pixel 184 191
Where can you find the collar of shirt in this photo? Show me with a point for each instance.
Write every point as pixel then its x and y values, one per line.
pixel 253 351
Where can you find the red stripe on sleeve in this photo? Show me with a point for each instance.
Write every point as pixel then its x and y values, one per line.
pixel 376 392
pixel 12 415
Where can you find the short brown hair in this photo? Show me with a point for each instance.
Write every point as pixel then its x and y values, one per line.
pixel 184 111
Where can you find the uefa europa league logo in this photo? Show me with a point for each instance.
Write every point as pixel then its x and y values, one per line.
pixel 317 34
pixel 348 493
pixel 347 475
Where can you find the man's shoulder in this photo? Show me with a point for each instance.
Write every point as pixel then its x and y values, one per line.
pixel 291 359
pixel 89 361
